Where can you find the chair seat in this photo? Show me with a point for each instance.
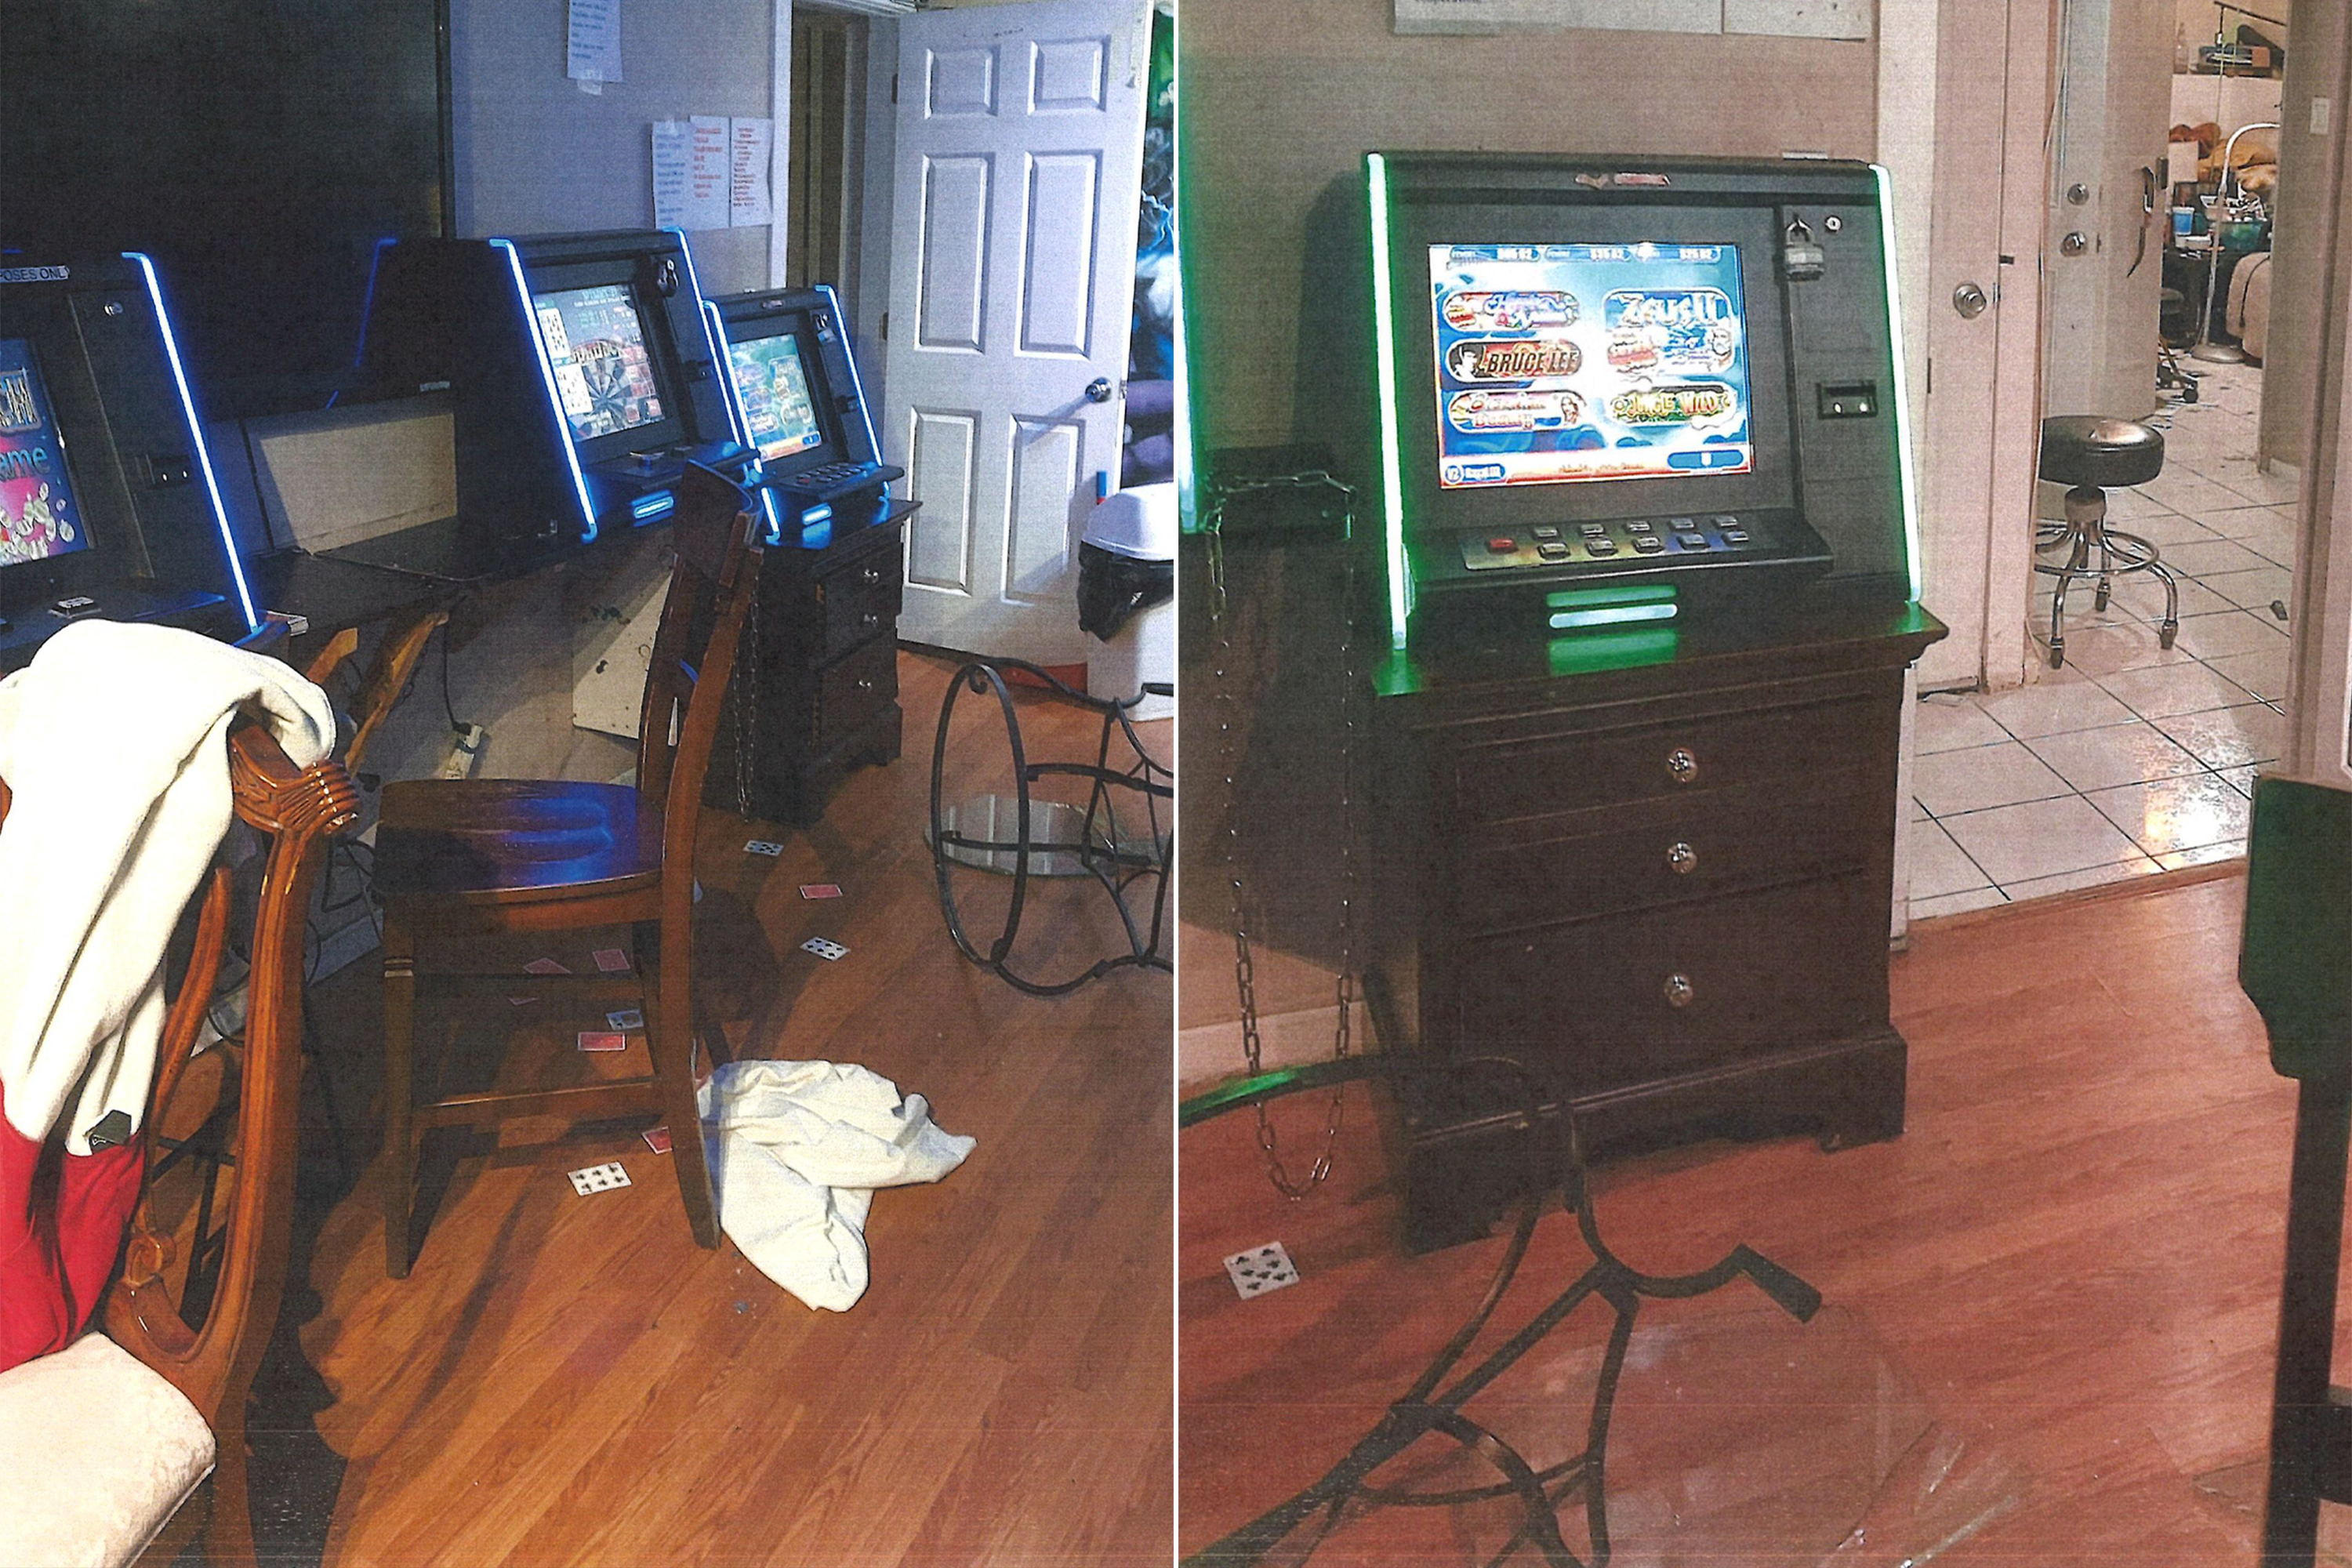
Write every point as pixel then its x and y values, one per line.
pixel 2089 449
pixel 513 840
pixel 97 1453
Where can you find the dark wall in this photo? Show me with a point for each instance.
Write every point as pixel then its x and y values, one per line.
pixel 256 148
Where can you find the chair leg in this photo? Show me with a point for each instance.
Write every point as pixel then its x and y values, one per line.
pixel 670 1039
pixel 399 1094
pixel 228 1530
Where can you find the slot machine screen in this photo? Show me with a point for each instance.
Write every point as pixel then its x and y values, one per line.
pixel 596 346
pixel 1560 363
pixel 39 518
pixel 778 410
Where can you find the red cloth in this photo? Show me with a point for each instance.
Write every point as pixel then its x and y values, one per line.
pixel 57 1250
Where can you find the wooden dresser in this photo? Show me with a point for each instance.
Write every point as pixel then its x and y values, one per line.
pixel 820 673
pixel 1658 864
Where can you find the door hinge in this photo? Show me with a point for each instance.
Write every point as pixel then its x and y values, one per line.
pixel 885 326
pixel 894 87
pixel 1931 376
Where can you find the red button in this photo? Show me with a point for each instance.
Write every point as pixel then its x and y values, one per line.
pixel 1502 545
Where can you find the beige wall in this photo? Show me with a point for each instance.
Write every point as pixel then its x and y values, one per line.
pixel 1281 98
pixel 2296 295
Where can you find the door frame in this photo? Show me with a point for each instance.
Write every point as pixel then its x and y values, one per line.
pixel 1993 547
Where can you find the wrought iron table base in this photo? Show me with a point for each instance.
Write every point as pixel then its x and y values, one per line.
pixel 1097 849
pixel 1433 1405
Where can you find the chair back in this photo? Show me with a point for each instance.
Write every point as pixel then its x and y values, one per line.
pixel 213 1360
pixel 693 660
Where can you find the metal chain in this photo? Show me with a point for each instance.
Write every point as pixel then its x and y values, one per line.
pixel 748 699
pixel 1244 961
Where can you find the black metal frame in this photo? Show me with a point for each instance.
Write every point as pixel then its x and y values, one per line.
pixel 1149 778
pixel 2311 1419
pixel 1554 1153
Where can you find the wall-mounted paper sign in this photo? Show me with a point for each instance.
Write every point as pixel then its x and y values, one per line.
pixel 690 183
pixel 592 42
pixel 749 143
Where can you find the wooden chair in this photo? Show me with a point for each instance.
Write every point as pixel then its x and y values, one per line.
pixel 386 677
pixel 118 1454
pixel 458 861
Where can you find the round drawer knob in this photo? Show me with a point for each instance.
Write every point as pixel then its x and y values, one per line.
pixel 1679 992
pixel 1682 764
pixel 871 574
pixel 1681 859
pixel 869 619
pixel 866 685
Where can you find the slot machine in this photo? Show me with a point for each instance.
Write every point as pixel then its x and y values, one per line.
pixel 798 406
pixel 108 504
pixel 581 374
pixel 1634 489
pixel 821 653
pixel 1616 395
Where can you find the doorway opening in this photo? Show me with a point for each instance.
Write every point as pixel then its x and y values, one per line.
pixel 2177 297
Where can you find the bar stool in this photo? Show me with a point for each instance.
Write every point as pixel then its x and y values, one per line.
pixel 2089 454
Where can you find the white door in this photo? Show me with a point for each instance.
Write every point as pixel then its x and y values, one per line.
pixel 1019 169
pixel 1984 361
pixel 2108 196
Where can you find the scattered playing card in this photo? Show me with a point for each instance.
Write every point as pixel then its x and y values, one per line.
pixel 520 1001
pixel 820 890
pixel 828 951
pixel 627 1018
pixel 1260 1270
pixel 544 966
pixel 611 960
pixel 657 1139
pixel 763 846
pixel 601 1178
pixel 600 1040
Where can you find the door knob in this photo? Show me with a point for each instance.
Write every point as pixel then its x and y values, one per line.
pixel 1098 390
pixel 1971 300
pixel 2075 244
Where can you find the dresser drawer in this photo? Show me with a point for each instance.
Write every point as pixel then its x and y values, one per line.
pixel 1516 779
pixel 1669 850
pixel 857 603
pixel 853 691
pixel 1610 1002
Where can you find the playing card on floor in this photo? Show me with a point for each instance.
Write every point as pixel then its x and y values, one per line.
pixel 611 960
pixel 763 846
pixel 627 1018
pixel 601 1178
pixel 602 1040
pixel 1261 1268
pixel 831 951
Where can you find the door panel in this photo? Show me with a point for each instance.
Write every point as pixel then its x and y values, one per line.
pixel 940 468
pixel 1015 271
pixel 954 267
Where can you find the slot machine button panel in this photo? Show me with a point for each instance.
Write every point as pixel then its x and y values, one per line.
pixel 1502 544
pixel 1649 545
pixel 1691 541
pixel 1552 550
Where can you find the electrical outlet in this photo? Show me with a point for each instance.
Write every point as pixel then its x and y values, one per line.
pixel 465 750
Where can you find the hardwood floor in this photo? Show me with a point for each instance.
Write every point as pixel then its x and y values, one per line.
pixel 570 1381
pixel 2072 1255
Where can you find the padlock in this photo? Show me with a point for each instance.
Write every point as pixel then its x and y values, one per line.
pixel 1802 258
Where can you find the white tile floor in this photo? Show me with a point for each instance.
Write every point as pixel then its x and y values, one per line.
pixel 2132 758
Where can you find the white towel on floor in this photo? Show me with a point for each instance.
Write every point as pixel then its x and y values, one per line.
pixel 796 1152
pixel 111 742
